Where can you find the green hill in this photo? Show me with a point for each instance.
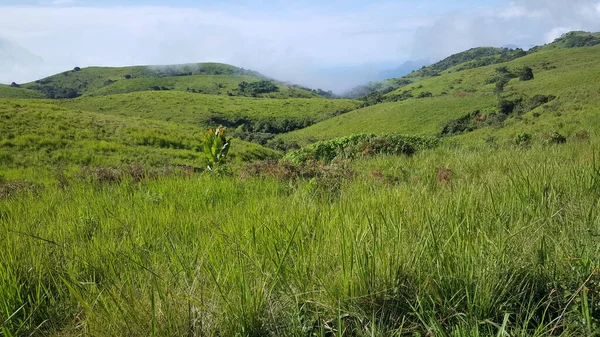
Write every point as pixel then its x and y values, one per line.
pixel 44 135
pixel 430 103
pixel 257 119
pixel 209 78
pixel 571 40
pixel 6 91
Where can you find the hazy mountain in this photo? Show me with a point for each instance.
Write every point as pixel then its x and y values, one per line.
pixel 15 61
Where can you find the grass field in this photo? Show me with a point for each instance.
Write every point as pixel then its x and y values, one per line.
pixel 450 242
pixel 40 135
pixel 195 109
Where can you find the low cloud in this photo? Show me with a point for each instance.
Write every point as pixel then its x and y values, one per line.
pixel 297 45
pixel 522 22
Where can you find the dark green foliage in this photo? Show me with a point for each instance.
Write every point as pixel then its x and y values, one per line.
pixel 555 137
pixel 57 92
pixel 127 77
pixel 523 138
pixel 255 88
pixel 14 85
pixel 425 94
pixel 361 144
pixel 76 69
pixel 526 74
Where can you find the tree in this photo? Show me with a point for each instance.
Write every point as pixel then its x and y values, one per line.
pixel 76 69
pixel 526 74
pixel 15 85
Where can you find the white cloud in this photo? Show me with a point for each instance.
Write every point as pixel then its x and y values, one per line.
pixel 290 45
pixel 65 2
pixel 557 32
pixel 285 47
pixel 522 22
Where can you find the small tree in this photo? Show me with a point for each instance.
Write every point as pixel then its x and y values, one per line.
pixel 526 74
pixel 216 146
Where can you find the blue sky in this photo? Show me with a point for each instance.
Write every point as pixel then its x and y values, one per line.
pixel 290 40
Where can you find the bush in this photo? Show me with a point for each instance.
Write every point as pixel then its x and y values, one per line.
pixel 15 85
pixel 523 138
pixel 127 77
pixel 425 94
pixel 526 74
pixel 555 138
pixel 76 69
pixel 361 144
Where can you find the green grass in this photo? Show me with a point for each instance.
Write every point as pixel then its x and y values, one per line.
pixel 504 245
pixel 42 135
pixel 195 109
pixel 7 91
pixel 569 74
pixel 204 84
pixel 411 117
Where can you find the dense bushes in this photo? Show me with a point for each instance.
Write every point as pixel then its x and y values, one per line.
pixel 361 144
pixel 506 108
pixel 255 88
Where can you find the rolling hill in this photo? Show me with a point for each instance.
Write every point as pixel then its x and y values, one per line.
pixel 428 103
pixel 207 78
pixel 39 135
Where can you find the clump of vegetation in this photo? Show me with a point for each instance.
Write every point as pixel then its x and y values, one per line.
pixel 361 144
pixel 554 137
pixel 10 189
pixel 523 139
pixel 255 88
pixel 526 74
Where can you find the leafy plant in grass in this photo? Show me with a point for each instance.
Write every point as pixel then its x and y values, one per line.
pixel 523 139
pixel 216 146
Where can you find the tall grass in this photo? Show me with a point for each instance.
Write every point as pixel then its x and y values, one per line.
pixel 504 245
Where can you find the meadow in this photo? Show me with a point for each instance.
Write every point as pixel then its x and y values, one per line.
pixel 462 203
pixel 449 242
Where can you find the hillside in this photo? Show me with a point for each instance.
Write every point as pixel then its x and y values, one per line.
pixel 427 105
pixel 208 78
pixel 6 91
pixel 45 135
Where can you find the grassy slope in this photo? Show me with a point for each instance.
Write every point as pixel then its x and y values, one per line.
pixel 7 91
pixel 510 234
pixel 194 109
pixel 205 84
pixel 38 135
pixel 94 81
pixel 572 81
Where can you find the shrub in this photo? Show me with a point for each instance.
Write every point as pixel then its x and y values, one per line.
pixel 127 76
pixel 425 94
pixel 361 144
pixel 523 138
pixel 526 74
pixel 76 69
pixel 555 138
pixel 15 85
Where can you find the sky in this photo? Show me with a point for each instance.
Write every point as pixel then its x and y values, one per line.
pixel 329 44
